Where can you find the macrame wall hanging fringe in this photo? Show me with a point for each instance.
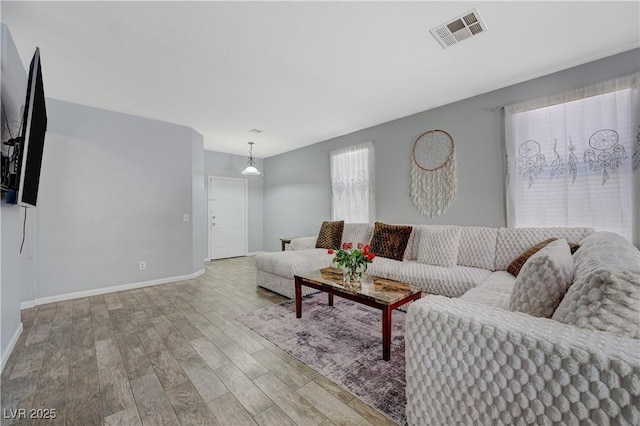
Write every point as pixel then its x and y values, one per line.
pixel 433 172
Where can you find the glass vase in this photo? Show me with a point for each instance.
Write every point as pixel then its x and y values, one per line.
pixel 351 275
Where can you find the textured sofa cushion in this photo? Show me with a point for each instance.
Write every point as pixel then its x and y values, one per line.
pixel 516 264
pixel 288 263
pixel 495 291
pixel 438 246
pixel 469 364
pixel 513 241
pixel 501 281
pixel 303 243
pixel 411 252
pixel 605 294
pixel 390 241
pixel 330 234
pixel 450 282
pixel 543 280
pixel 495 299
pixel 477 247
pixel 357 233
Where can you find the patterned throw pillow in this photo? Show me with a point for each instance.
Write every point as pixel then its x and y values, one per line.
pixel 517 263
pixel 390 241
pixel 330 235
pixel 543 280
pixel 574 247
pixel 439 246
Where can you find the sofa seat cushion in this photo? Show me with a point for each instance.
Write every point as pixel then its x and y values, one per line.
pixel 451 282
pixel 288 263
pixel 501 281
pixel 495 299
pixel 495 291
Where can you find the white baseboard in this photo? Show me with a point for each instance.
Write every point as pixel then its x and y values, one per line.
pixel 105 290
pixel 27 305
pixel 12 344
pixel 255 253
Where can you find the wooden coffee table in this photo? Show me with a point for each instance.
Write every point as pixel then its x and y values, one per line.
pixel 373 291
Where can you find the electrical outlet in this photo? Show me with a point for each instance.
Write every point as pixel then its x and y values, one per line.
pixel 185 217
pixel 142 265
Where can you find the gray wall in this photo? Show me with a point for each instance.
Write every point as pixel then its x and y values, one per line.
pixel 229 165
pixel 113 191
pixel 13 90
pixel 297 189
pixel 199 202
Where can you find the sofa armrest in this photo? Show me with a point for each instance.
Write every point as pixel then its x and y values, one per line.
pixel 468 363
pixel 303 243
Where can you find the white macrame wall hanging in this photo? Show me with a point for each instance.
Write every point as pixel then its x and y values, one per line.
pixel 433 172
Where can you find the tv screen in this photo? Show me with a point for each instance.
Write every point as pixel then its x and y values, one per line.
pixel 33 131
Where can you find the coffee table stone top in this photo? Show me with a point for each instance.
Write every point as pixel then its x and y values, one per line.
pixel 380 290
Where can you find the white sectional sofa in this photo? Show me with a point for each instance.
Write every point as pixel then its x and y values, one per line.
pixel 471 360
pixel 275 271
pixel 483 254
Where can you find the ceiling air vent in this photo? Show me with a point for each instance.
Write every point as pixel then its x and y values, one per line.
pixel 464 26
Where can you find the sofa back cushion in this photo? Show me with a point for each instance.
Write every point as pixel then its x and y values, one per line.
pixel 413 245
pixel 605 294
pixel 438 246
pixel 330 235
pixel 411 252
pixel 477 247
pixel 390 241
pixel 511 242
pixel 357 233
pixel 543 280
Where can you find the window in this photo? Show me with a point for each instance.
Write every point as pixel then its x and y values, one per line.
pixel 571 159
pixel 352 184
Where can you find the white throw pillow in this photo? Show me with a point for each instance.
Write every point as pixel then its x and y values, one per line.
pixel 606 292
pixel 438 245
pixel 543 280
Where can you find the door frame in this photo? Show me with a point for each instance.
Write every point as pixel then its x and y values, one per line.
pixel 246 211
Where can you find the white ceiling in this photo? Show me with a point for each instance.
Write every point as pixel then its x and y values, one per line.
pixel 302 72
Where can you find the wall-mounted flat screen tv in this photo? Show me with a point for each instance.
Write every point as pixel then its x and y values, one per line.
pixel 34 127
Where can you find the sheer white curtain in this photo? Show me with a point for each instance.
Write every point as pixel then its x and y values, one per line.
pixel 573 159
pixel 352 183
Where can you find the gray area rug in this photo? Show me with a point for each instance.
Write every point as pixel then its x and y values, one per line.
pixel 344 344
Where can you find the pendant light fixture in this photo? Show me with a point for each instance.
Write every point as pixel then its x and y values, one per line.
pixel 251 164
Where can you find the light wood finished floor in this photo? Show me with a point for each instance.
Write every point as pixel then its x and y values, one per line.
pixel 170 354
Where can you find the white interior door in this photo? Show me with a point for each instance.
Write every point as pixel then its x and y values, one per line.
pixel 227 217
